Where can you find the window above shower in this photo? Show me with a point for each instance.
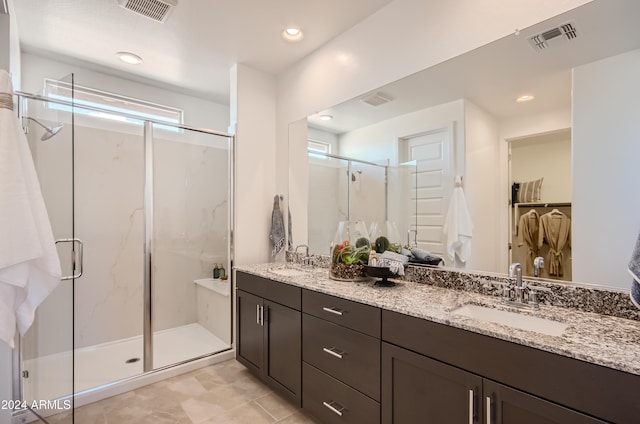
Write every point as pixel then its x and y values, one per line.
pixel 106 105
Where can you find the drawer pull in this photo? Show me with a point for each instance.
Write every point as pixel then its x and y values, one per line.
pixel 337 411
pixel 332 351
pixel 333 310
pixel 472 396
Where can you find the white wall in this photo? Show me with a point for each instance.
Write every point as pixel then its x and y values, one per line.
pixel 298 176
pixel 4 41
pixel 605 168
pixel 197 112
pixel 379 142
pixel 481 187
pixel 324 136
pixel 253 113
pixel 547 157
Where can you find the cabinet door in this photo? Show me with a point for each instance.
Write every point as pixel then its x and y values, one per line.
pixel 283 352
pixel 504 405
pixel 250 331
pixel 417 389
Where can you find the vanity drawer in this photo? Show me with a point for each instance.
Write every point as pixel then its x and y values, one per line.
pixel 350 356
pixel 275 291
pixel 354 315
pixel 331 401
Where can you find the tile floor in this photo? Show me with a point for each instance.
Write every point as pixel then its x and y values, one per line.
pixel 223 393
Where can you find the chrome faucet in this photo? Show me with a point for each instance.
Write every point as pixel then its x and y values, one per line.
pixel 415 238
pixel 515 271
pixel 306 260
pixel 305 247
pixel 525 295
pixel 538 264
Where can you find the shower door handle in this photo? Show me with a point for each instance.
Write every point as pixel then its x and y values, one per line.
pixel 77 258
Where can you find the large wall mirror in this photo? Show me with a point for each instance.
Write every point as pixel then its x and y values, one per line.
pixel 568 151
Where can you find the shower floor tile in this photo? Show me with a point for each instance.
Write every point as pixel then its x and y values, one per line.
pixel 224 393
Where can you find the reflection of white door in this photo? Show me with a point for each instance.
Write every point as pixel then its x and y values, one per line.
pixel 432 186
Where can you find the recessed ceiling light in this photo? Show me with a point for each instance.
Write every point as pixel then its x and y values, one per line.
pixel 325 117
pixel 292 34
pixel 130 58
pixel 525 98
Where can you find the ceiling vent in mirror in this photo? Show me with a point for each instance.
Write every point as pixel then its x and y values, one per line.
pixel 565 32
pixel 158 10
pixel 376 99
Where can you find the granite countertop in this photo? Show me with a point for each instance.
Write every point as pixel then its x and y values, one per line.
pixel 600 339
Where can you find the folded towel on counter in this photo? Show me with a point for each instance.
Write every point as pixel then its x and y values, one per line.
pixel 634 270
pixel 422 256
pixel 393 256
pixel 29 264
pixel 394 266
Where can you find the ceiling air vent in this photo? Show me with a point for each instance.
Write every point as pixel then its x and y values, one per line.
pixel 376 99
pixel 565 32
pixel 158 10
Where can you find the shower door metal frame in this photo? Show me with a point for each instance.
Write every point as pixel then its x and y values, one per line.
pixel 17 359
pixel 147 321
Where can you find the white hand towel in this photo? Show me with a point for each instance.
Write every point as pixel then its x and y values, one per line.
pixel 458 227
pixel 29 264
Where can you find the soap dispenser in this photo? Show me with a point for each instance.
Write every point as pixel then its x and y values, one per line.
pixel 216 272
pixel 221 272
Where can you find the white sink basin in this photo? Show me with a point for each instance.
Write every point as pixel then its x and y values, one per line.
pixel 512 319
pixel 287 272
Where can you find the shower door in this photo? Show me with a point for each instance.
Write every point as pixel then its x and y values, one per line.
pixel 43 367
pixel 88 333
pixel 149 208
pixel 190 211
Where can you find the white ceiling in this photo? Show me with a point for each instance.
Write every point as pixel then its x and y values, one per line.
pixel 494 75
pixel 195 48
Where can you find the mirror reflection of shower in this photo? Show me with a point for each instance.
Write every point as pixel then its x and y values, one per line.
pixel 48 131
pixel 342 189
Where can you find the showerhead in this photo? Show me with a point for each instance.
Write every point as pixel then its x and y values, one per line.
pixel 48 131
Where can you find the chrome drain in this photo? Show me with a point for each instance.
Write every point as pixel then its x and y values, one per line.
pixel 132 360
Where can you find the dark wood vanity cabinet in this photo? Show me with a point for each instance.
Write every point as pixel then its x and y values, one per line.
pixel 519 384
pixel 418 389
pixel 504 405
pixel 341 359
pixel 268 323
pixel 347 362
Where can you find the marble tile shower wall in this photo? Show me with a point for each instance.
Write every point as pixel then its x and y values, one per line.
pixel 191 218
pixel 191 225
pixel 581 297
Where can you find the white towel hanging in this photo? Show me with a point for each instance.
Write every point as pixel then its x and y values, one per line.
pixel 29 264
pixel 458 227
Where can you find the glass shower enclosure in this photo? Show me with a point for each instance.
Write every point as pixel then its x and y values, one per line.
pixel 141 211
pixel 343 189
